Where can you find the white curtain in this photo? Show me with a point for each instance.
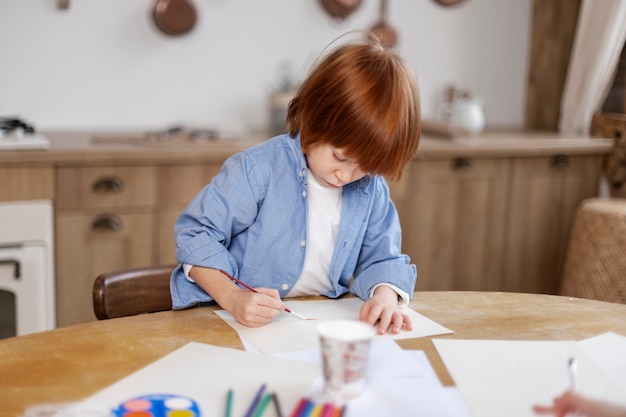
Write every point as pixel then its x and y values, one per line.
pixel 600 35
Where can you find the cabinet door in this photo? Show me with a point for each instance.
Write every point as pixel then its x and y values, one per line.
pixel 26 183
pixel 179 184
pixel 545 193
pixel 454 228
pixel 89 244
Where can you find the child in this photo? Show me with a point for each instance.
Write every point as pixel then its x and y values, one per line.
pixel 309 213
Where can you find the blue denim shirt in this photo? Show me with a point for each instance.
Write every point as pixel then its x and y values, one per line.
pixel 251 222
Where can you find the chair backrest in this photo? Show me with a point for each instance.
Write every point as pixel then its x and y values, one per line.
pixel 132 291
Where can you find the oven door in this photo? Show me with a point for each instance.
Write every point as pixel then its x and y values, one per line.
pixel 25 289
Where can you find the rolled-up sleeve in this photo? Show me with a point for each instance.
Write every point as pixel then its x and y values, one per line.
pixel 380 259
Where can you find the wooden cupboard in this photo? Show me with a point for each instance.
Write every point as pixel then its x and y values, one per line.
pixel 543 197
pixel 178 184
pixel 26 183
pixel 454 230
pixel 116 217
pixel 495 224
pixel 105 220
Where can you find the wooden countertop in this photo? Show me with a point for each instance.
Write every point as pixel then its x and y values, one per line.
pixel 71 363
pixel 513 144
pixel 69 148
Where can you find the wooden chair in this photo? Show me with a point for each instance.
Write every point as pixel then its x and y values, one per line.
pixel 132 291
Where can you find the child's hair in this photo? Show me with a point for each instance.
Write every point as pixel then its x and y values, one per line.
pixel 363 99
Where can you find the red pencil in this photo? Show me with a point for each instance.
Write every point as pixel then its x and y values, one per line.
pixel 299 408
pixel 243 284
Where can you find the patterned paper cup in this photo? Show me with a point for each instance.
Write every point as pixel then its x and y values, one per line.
pixel 345 346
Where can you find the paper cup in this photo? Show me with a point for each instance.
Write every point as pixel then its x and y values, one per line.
pixel 345 346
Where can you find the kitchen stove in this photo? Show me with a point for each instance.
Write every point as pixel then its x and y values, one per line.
pixel 27 141
pixel 16 134
pixel 26 268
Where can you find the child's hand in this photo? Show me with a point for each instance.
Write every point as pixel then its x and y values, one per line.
pixel 255 309
pixel 252 309
pixel 383 312
pixel 571 403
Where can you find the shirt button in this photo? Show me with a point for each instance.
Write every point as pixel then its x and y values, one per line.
pixel 303 194
pixel 284 287
pixel 303 243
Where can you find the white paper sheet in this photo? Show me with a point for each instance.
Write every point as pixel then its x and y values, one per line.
pixel 278 335
pixel 499 377
pixel 205 373
pixel 399 383
pixel 608 351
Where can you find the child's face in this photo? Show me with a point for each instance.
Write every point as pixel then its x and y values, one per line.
pixel 331 167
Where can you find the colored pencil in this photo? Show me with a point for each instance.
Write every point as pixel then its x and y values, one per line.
pixel 255 401
pixel 229 403
pixel 316 410
pixel 328 410
pixel 263 405
pixel 243 284
pixel 299 407
pixel 308 409
pixel 279 412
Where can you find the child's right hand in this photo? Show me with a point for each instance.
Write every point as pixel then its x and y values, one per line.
pixel 254 309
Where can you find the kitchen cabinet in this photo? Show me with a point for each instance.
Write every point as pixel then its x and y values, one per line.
pixel 544 195
pixel 495 224
pixel 455 230
pixel 105 221
pixel 117 217
pixel 90 242
pixel 26 183
pixel 178 184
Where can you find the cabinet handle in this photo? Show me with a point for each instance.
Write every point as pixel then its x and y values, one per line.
pixel 108 185
pixel 560 161
pixel 462 164
pixel 107 224
pixel 17 274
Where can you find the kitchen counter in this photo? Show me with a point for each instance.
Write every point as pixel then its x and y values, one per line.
pixel 70 147
pixel 514 144
pixel 67 148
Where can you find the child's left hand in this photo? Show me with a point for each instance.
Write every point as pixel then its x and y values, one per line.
pixel 382 311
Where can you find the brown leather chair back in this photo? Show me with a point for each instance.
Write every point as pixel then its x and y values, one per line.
pixel 132 291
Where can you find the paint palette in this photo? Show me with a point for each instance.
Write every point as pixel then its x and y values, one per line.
pixel 158 405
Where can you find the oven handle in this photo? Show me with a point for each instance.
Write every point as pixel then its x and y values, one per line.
pixel 16 264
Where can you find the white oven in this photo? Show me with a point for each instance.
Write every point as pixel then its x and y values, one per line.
pixel 26 268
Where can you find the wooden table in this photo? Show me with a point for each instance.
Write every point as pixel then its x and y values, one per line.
pixel 70 363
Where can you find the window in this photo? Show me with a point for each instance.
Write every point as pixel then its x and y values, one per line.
pixel 616 99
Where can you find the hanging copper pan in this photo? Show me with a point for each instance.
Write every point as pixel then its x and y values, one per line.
pixel 174 17
pixel 383 30
pixel 340 8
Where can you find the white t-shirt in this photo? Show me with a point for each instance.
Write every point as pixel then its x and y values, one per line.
pixel 323 217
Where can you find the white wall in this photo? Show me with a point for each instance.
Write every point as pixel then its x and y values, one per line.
pixel 103 65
